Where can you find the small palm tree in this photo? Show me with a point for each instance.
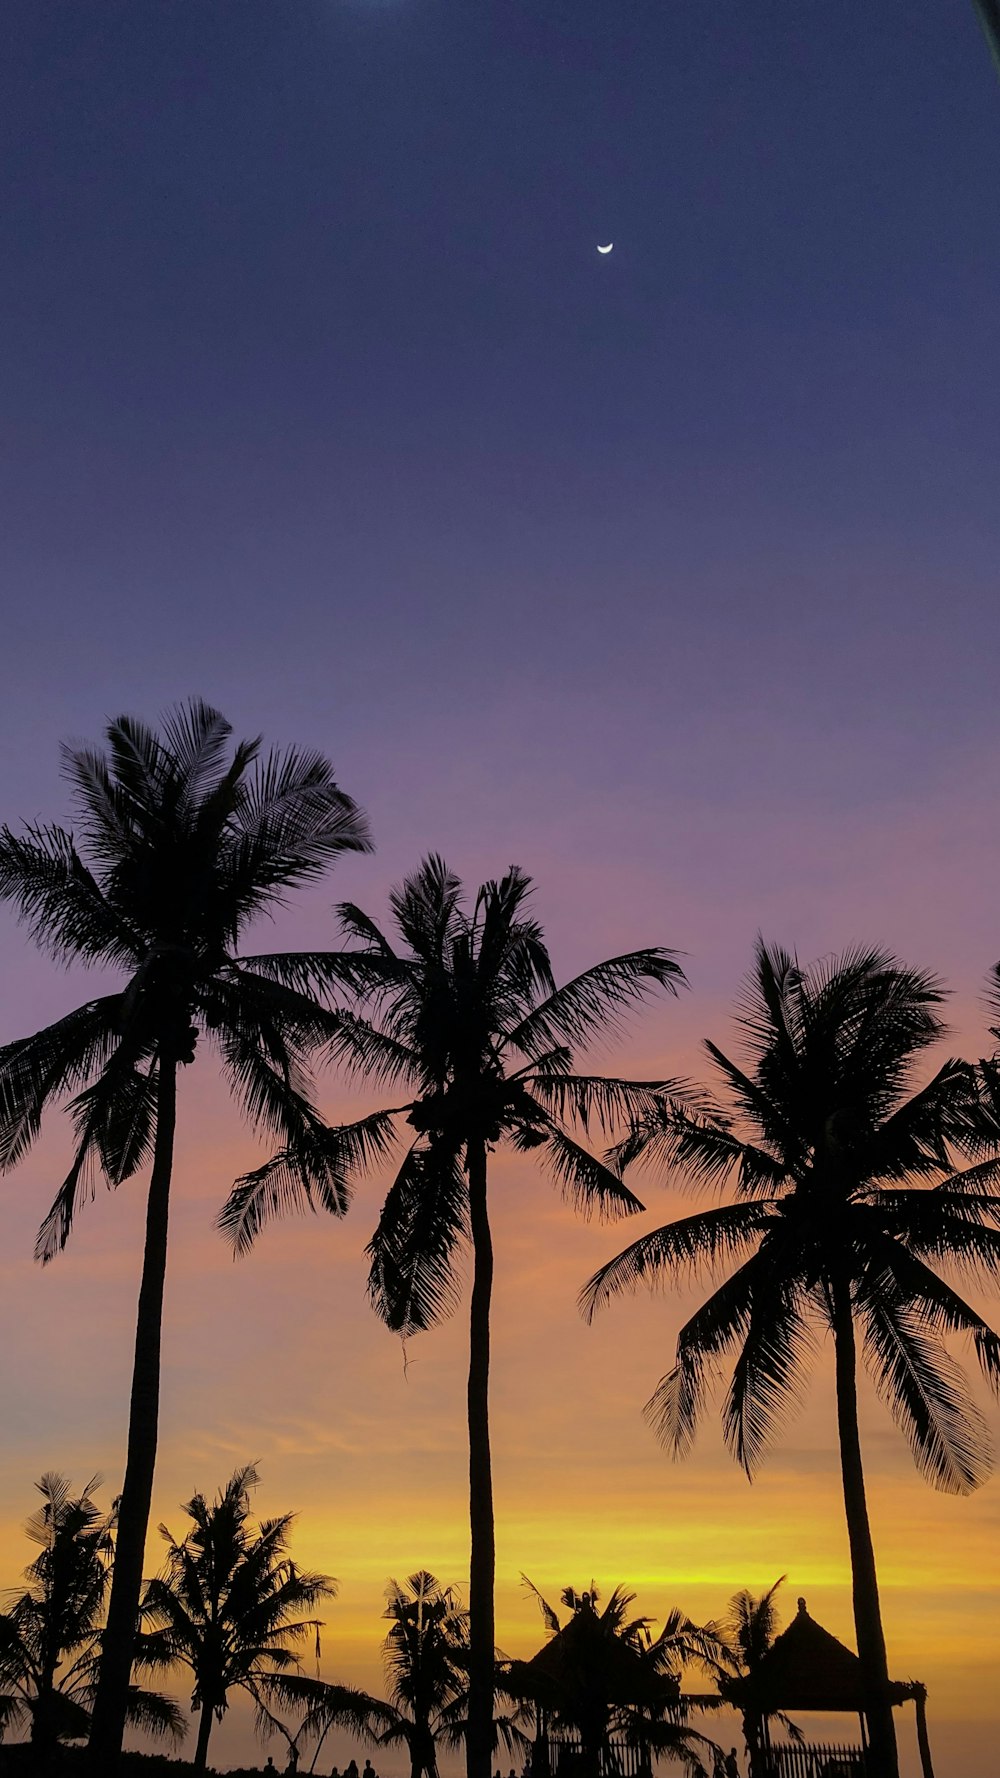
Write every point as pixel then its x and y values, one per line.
pixel 50 1636
pixel 426 1658
pixel 605 1677
pixel 187 844
pixel 228 1607
pixel 467 1019
pixel 749 1632
pixel 847 1196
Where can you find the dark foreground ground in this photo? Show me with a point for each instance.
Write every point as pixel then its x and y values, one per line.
pixel 18 1762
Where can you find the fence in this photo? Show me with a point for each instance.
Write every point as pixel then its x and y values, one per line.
pixel 808 1761
pixel 618 1759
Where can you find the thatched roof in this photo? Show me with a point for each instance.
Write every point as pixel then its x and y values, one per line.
pixel 808 1669
pixel 584 1656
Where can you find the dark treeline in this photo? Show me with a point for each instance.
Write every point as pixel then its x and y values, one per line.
pixel 854 1183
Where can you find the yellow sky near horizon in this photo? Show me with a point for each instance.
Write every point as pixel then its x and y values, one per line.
pixel 277 1358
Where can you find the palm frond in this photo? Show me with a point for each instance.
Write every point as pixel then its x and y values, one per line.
pixel 316 1172
pixel 155 1714
pixel 678 1249
pixel 36 1071
pixel 425 907
pixel 925 1392
pixel 768 1372
pixel 676 1404
pixel 412 1280
pixel 597 1000
pixel 594 1098
pixel 60 901
pixel 588 1184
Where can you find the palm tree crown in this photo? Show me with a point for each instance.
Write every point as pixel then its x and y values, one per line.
pixel 183 846
pixel 848 1196
pixel 749 1632
pixel 846 1187
pixel 467 1021
pixel 50 1635
pixel 229 1606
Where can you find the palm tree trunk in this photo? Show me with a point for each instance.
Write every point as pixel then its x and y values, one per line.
pixel 110 1704
pixel 923 1739
pixel 204 1731
pixel 482 1563
pixel 884 1760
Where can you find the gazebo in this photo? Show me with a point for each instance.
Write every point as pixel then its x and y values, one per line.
pixel 586 1673
pixel 807 1669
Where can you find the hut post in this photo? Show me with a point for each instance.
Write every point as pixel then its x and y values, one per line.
pixel 919 1695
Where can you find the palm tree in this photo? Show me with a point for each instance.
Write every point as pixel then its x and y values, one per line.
pixel 187 845
pixel 228 1607
pixel 50 1636
pixel 749 1633
pixel 845 1189
pixel 426 1658
pixel 467 1019
pixel 603 1677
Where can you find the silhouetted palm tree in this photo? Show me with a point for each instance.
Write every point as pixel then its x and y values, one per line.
pixel 749 1632
pixel 604 1676
pixel 187 845
pixel 228 1607
pixel 846 1188
pixel 50 1636
pixel 467 1019
pixel 426 1657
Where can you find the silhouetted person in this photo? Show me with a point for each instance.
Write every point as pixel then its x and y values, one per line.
pixel 351 1769
pixel 732 1764
pixel 369 1771
pixel 270 1766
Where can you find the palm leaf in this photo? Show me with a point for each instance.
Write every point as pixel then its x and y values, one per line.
pixel 316 1171
pixel 675 1406
pixel 412 1279
pixel 586 1182
pixel 678 1249
pixel 926 1395
pixel 36 1070
pixel 596 1000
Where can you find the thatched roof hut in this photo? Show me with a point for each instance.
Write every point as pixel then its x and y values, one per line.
pixel 808 1669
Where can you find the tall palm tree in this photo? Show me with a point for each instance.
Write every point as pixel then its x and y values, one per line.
pixel 184 844
pixel 466 1018
pixel 749 1632
pixel 228 1606
pixel 50 1635
pixel 845 1189
pixel 604 1676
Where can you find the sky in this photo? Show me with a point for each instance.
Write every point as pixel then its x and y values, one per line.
pixel 671 575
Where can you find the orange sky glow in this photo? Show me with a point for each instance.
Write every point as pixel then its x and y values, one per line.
pixel 277 1358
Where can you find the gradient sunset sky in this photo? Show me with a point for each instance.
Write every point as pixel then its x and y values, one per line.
pixel 671 576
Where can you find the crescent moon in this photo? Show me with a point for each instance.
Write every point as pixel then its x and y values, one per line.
pixel 606 249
